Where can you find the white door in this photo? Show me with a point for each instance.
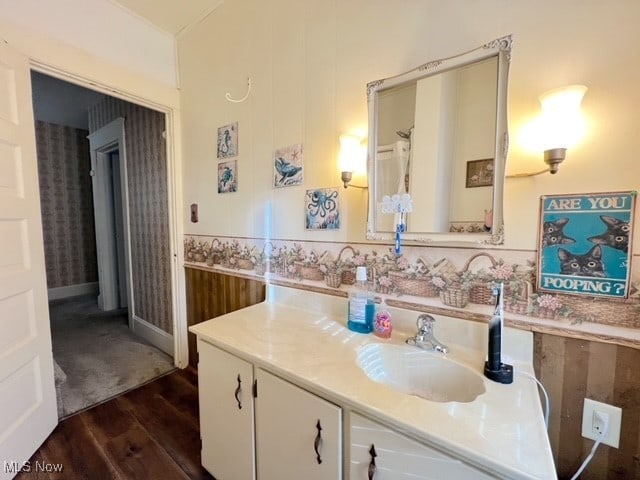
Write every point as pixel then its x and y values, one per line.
pixel 110 200
pixel 118 223
pixel 27 395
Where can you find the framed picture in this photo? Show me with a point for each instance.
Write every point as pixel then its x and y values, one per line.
pixel 228 141
pixel 322 209
pixel 287 166
pixel 479 173
pixel 584 243
pixel 228 177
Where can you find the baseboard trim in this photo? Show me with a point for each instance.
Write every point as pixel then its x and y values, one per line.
pixel 72 290
pixel 153 335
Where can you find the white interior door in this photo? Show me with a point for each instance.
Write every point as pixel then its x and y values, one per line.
pixel 118 220
pixel 27 395
pixel 110 205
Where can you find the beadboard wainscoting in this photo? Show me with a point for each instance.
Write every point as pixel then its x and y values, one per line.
pixel 212 294
pixel 574 369
pixel 570 368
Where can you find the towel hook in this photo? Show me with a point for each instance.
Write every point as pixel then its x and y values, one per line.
pixel 228 96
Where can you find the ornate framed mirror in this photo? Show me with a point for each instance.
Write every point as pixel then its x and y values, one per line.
pixel 439 133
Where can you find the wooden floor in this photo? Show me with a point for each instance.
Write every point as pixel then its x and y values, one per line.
pixel 150 432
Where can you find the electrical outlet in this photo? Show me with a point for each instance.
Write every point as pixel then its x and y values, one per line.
pixel 595 415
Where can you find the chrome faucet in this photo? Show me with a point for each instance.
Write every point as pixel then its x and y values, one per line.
pixel 424 337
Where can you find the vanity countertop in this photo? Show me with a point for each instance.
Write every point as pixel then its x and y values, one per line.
pixel 302 337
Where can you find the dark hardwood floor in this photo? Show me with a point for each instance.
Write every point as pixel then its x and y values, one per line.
pixel 151 432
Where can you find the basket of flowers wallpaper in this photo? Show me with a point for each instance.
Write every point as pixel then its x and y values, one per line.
pixel 464 282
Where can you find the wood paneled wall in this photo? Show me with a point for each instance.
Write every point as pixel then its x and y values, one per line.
pixel 211 294
pixel 570 369
pixel 573 370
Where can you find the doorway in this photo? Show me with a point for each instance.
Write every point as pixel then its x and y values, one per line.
pixel 99 175
pixel 119 227
pixel 111 208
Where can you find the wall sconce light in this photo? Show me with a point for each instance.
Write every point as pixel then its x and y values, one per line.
pixel 561 125
pixel 352 158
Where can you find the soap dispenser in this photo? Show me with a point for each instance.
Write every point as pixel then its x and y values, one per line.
pixel 362 306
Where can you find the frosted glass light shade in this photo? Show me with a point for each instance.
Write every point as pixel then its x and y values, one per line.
pixel 562 122
pixel 353 155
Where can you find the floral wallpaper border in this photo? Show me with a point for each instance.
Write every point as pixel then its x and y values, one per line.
pixel 457 278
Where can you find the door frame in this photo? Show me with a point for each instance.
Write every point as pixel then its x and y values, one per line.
pixel 102 143
pixel 174 195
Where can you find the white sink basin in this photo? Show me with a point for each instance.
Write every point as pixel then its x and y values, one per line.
pixel 428 375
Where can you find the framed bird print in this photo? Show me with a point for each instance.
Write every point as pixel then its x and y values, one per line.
pixel 228 141
pixel 322 209
pixel 584 243
pixel 288 166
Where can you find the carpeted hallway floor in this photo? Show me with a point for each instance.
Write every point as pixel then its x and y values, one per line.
pixel 98 353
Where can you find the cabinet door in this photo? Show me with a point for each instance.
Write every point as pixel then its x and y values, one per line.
pixel 291 424
pixel 400 458
pixel 226 414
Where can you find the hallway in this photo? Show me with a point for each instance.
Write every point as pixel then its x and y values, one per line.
pixel 98 355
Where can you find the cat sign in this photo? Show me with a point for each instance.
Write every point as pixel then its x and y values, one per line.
pixel 584 243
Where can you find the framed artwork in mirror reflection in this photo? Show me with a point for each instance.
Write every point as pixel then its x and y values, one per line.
pixel 479 173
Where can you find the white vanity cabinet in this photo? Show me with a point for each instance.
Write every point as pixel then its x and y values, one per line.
pixel 225 385
pixel 379 453
pixel 296 434
pixel 307 368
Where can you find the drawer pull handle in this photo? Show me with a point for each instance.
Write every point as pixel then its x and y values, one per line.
pixel 317 443
pixel 372 463
pixel 238 392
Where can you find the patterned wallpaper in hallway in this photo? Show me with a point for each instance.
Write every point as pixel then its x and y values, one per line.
pixel 149 217
pixel 66 201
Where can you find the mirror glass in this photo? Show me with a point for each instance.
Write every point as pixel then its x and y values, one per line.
pixel 438 132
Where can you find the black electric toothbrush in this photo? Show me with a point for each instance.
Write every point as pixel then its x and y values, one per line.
pixel 494 369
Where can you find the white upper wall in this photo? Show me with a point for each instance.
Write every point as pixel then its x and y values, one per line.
pixel 170 15
pixel 310 61
pixel 101 29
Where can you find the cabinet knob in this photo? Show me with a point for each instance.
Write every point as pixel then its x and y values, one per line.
pixel 238 392
pixel 372 463
pixel 317 443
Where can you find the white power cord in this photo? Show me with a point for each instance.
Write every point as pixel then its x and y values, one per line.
pixel 601 436
pixel 547 402
pixel 603 418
